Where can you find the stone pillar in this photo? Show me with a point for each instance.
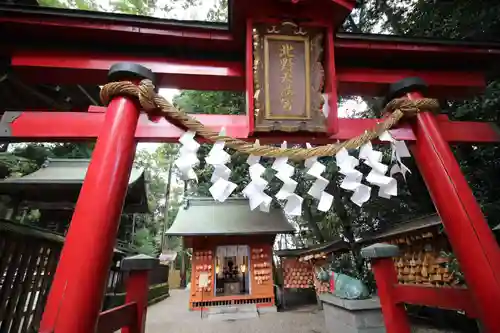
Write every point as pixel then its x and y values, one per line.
pixel 352 316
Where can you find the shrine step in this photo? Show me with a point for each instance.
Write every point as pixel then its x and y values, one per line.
pixel 232 312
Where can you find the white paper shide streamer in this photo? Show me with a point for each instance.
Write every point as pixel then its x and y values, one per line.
pixel 293 206
pixel 352 181
pixel 399 151
pixel 187 159
pixel 222 187
pixel 217 157
pixel 388 186
pixel 317 190
pixel 254 191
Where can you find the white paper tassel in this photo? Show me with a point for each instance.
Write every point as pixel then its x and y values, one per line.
pixel 222 187
pixel 317 189
pixel 187 156
pixel 293 207
pixel 352 181
pixel 399 151
pixel 388 186
pixel 254 191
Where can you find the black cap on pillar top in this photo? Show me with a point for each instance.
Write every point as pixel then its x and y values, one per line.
pixel 409 84
pixel 126 71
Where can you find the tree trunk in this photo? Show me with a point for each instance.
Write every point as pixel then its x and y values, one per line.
pixel 164 238
pixel 312 221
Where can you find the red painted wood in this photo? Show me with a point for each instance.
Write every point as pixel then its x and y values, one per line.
pixel 76 126
pixel 85 68
pixel 349 4
pixel 443 297
pixel 137 33
pixel 375 82
pixel 114 319
pixel 331 78
pixel 395 317
pixel 468 232
pixel 75 299
pixel 249 77
pixel 354 43
pixel 137 292
pixel 159 32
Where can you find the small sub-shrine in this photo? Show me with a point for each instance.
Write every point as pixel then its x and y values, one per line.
pixel 232 261
pixel 425 254
pixel 300 268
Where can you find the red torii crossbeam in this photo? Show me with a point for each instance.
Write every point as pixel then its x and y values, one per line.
pixel 56 126
pixel 219 57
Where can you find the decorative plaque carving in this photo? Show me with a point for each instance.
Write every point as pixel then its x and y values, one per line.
pixel 288 78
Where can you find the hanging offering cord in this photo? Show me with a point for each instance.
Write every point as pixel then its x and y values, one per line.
pixel 154 104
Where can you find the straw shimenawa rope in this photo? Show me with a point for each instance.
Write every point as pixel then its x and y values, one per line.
pixel 155 104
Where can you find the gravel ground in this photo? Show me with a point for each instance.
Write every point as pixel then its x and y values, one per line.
pixel 172 315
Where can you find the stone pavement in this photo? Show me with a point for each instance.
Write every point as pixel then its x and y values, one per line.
pixel 173 316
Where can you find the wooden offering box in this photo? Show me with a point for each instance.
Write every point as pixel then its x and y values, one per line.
pixel 426 258
pixel 297 274
pixel 300 266
pixel 201 264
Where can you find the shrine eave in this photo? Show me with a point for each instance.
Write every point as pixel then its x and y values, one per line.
pixel 207 217
pixel 419 224
pixel 335 246
pixel 60 181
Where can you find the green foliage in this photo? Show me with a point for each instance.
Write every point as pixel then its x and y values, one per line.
pixel 219 12
pixel 159 165
pixel 210 102
pixel 144 242
pixel 152 8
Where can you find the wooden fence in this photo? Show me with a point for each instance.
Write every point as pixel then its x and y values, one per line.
pixel 28 259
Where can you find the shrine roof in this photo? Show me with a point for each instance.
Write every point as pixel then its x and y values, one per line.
pixel 205 216
pixel 335 245
pixel 60 180
pixel 402 228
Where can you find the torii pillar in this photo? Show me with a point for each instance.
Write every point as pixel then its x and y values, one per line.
pixel 77 292
pixel 468 232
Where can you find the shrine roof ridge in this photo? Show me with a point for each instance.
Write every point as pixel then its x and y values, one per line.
pixel 205 216
pixel 70 171
pixel 336 245
pixel 403 227
pixel 60 180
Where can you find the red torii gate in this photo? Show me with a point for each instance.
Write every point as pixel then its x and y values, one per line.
pixel 189 56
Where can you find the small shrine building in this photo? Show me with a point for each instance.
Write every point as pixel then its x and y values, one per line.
pixel 54 188
pixel 425 251
pixel 300 267
pixel 232 261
